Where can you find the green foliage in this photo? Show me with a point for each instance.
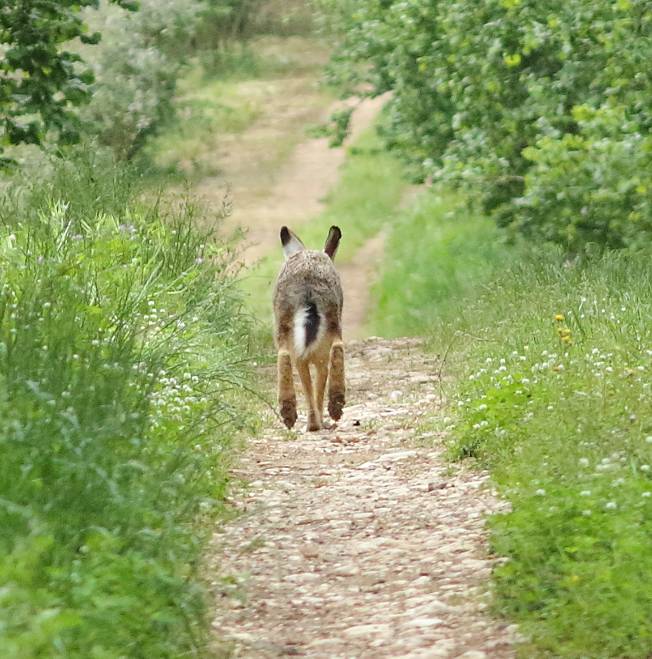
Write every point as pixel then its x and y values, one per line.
pixel 337 128
pixel 555 397
pixel 122 358
pixel 41 83
pixel 593 185
pixel 51 65
pixel 436 253
pixel 284 17
pixel 538 105
pixel 136 69
pixel 224 20
pixel 142 57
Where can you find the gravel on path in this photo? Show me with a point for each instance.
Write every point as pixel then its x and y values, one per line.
pixel 359 541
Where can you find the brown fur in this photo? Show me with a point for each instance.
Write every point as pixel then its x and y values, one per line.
pixel 309 276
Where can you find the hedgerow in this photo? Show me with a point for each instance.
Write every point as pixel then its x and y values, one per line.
pixel 540 106
pixel 123 354
pixel 72 70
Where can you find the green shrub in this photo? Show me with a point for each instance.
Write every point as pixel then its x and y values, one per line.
pixel 136 67
pixel 532 103
pixel 592 186
pixel 42 80
pixel 143 54
pixel 122 355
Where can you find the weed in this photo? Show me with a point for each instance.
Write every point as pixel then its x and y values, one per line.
pixel 122 362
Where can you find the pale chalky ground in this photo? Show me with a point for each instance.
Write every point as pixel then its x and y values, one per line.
pixel 361 541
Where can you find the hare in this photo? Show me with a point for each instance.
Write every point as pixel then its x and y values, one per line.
pixel 308 328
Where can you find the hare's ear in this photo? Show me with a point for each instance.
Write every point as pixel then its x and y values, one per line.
pixel 333 241
pixel 291 242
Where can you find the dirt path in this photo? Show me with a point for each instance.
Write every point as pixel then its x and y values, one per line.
pixel 267 195
pixel 270 188
pixel 301 186
pixel 361 541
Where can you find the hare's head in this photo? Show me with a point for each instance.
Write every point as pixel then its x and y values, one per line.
pixel 292 244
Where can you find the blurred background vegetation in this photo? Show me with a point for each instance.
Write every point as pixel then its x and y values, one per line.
pixel 108 70
pixel 126 344
pixel 542 108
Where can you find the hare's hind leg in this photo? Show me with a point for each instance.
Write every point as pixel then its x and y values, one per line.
pixel 336 386
pixel 287 399
pixel 321 360
pixel 314 417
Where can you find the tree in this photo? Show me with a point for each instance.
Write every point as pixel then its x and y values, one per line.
pixel 41 81
pixel 541 107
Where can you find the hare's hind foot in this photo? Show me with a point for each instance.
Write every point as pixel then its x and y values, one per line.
pixel 335 406
pixel 288 410
pixel 287 399
pixel 313 426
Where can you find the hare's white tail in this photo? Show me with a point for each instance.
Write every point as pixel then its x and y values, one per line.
pixel 308 328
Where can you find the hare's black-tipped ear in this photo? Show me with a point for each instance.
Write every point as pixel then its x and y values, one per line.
pixel 333 241
pixel 291 242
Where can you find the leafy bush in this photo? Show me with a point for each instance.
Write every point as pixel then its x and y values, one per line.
pixel 40 81
pixel 518 98
pixel 437 253
pixel 122 355
pixel 593 185
pixel 136 67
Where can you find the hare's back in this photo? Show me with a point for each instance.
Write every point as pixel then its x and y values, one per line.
pixel 309 276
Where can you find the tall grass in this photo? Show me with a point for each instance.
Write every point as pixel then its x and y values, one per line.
pixel 437 252
pixel 122 361
pixel 552 392
pixel 555 396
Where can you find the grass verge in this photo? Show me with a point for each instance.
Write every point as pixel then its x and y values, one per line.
pixel 437 252
pixel 123 354
pixel 553 393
